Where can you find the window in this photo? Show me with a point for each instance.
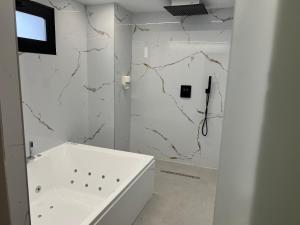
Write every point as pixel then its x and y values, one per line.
pixel 31 27
pixel 35 27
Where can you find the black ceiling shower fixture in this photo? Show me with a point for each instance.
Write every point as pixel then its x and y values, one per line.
pixel 186 7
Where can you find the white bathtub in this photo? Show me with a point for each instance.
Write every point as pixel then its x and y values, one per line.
pixel 75 184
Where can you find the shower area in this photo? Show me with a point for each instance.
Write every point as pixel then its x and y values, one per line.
pixel 135 81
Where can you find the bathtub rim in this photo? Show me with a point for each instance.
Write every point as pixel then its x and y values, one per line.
pixel 91 148
pixel 99 212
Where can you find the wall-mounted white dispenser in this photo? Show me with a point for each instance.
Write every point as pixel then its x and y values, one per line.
pixel 146 52
pixel 126 82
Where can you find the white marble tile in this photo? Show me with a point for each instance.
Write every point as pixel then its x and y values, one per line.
pixel 181 51
pixel 101 79
pixel 82 98
pixel 55 105
pixel 72 96
pixel 123 59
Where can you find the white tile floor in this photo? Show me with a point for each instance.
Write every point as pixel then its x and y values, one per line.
pixel 180 200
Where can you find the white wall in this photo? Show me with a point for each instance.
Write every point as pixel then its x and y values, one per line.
pixel 181 51
pixel 72 96
pixel 259 169
pixel 12 148
pixel 55 104
pixel 77 94
pixel 109 35
pixel 123 59
pixel 101 75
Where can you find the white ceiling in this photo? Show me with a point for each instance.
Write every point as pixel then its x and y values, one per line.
pixel 157 5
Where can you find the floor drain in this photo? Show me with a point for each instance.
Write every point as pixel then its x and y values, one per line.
pixel 51 207
pixel 75 171
pixel 100 188
pixel 90 173
pixel 40 216
pixel 72 181
pixel 103 176
pixel 180 174
pixel 86 185
pixel 118 180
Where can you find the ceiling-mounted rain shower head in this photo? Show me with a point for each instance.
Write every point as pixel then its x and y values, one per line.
pixel 186 7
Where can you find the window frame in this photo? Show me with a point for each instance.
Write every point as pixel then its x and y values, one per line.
pixel 48 14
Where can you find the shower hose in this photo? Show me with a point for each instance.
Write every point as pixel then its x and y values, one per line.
pixel 205 121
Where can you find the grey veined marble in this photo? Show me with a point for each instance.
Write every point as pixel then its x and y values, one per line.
pixel 169 52
pixel 72 96
pixel 77 95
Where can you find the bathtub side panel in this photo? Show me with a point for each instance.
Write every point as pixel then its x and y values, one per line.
pixel 128 206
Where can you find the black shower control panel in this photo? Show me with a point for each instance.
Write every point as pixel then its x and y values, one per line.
pixel 186 91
